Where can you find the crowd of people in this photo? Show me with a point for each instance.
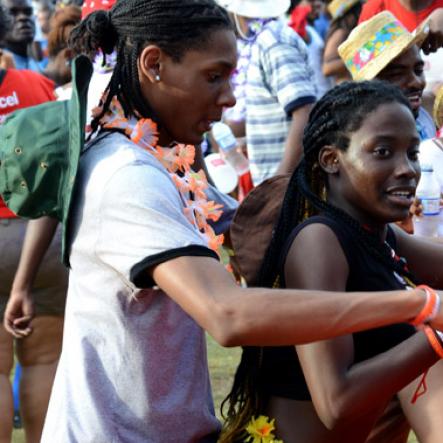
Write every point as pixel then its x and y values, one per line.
pixel 105 300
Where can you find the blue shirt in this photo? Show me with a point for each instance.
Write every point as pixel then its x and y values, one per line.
pixel 425 125
pixel 28 63
pixel 321 25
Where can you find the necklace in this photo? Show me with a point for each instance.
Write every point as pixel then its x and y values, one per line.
pixel 177 160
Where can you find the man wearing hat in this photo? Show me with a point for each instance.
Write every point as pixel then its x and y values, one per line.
pixel 412 14
pixel 279 90
pixel 383 48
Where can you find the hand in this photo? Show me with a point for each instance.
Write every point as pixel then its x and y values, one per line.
pixel 416 208
pixel 19 313
pixel 407 224
pixel 434 40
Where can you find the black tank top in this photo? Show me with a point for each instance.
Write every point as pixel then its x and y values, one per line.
pixel 280 373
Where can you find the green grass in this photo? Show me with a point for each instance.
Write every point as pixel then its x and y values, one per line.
pixel 222 364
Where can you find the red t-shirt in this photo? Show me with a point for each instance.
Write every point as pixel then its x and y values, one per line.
pixel 409 18
pixel 21 89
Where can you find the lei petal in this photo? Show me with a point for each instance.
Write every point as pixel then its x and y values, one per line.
pixel 179 158
pixel 145 133
pixel 185 157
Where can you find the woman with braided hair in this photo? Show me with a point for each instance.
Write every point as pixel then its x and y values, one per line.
pixel 145 280
pixel 359 173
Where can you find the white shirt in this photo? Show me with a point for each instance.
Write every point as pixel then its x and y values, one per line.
pixel 133 366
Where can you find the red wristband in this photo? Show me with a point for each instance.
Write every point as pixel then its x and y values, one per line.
pixel 430 308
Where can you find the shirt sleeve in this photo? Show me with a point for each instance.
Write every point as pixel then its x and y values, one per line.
pixel 290 74
pixel 142 224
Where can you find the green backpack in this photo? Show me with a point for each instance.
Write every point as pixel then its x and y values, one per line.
pixel 40 150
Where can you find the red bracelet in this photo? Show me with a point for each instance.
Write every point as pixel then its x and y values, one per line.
pixel 430 308
pixel 434 340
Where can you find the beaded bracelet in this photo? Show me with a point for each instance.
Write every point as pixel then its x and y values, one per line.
pixel 430 309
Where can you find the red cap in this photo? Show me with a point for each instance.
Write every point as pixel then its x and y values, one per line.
pixel 96 5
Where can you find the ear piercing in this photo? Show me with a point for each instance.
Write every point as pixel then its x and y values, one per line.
pixel 157 77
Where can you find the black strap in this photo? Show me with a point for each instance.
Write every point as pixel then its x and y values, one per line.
pixel 2 75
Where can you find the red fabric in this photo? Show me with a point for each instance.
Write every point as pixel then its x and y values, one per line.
pixel 96 5
pixel 244 186
pixel 409 18
pixel 21 89
pixel 299 20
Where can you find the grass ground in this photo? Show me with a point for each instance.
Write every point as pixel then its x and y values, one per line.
pixel 222 364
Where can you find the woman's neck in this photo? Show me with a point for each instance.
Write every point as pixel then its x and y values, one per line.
pixel 416 5
pixel 363 218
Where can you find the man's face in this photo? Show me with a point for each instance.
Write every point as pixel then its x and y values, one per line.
pixel 406 72
pixel 317 7
pixel 23 26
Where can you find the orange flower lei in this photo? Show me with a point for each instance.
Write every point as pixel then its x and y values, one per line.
pixel 177 160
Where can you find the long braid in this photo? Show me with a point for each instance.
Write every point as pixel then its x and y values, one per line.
pixel 174 26
pixel 340 112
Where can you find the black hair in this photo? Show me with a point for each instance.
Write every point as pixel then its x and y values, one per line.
pixel 348 21
pixel 339 113
pixel 175 26
pixel 5 21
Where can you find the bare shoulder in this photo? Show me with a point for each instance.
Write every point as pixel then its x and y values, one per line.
pixel 316 260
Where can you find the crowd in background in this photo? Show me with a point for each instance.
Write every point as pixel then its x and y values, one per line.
pixel 290 57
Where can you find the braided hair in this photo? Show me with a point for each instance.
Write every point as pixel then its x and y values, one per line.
pixel 339 113
pixel 175 26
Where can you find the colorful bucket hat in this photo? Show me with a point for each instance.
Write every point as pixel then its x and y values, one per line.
pixel 256 8
pixel 338 8
pixel 438 108
pixel 373 44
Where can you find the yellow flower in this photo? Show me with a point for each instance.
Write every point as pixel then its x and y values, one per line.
pixel 260 430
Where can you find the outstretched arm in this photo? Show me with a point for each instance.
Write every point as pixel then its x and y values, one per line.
pixel 20 308
pixel 342 391
pixel 255 316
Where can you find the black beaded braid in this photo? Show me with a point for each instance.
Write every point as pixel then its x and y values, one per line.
pixel 340 112
pixel 174 25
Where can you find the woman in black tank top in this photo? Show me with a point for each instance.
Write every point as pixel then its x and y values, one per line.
pixel 359 173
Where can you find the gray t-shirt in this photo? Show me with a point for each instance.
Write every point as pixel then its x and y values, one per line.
pixel 133 366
